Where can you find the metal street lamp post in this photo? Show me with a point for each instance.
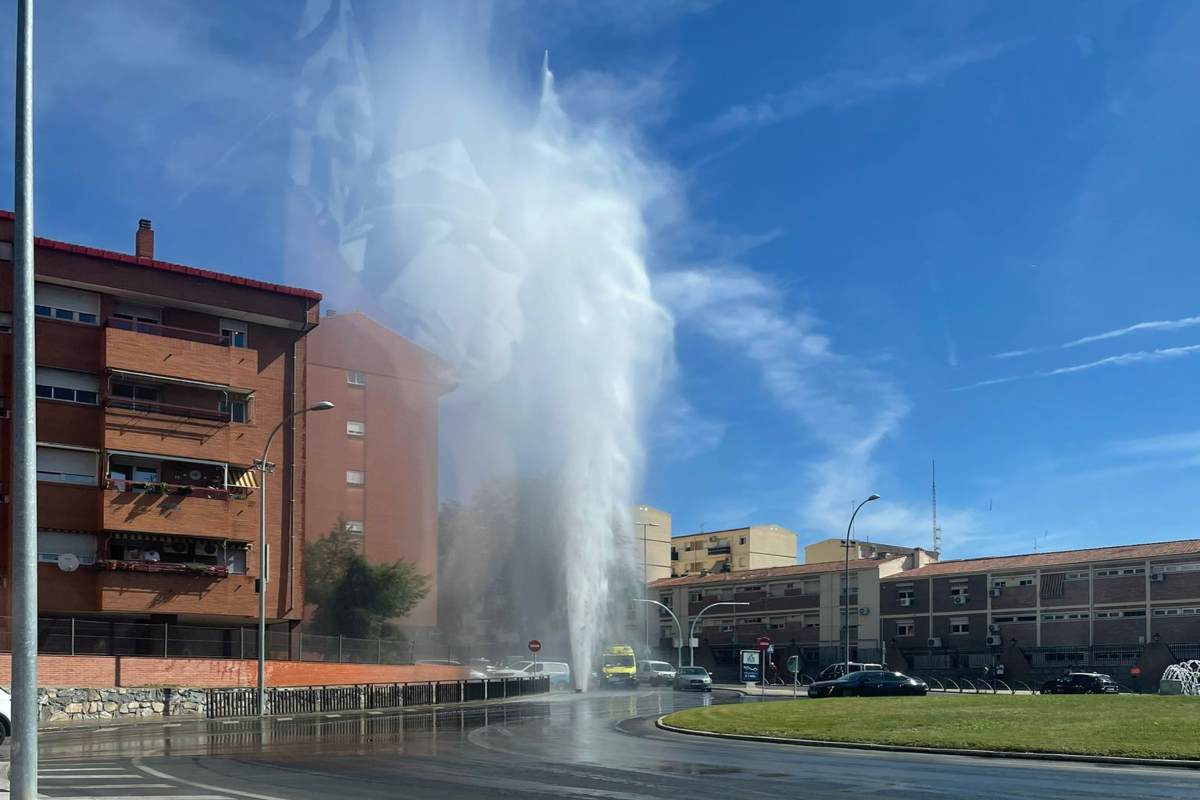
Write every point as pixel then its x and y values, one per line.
pixel 678 629
pixel 692 630
pixel 264 468
pixel 846 584
pixel 645 578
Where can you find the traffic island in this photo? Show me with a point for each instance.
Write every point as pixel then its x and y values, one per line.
pixel 1091 726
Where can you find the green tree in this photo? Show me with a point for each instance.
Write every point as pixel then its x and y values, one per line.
pixel 354 597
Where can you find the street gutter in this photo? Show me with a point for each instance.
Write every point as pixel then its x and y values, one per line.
pixel 943 751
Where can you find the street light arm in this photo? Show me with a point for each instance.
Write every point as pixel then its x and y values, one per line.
pixel 692 630
pixel 846 582
pixel 678 627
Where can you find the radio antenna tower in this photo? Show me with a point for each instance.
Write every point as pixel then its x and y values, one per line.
pixel 937 530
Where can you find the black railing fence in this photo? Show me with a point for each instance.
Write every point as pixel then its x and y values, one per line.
pixel 243 702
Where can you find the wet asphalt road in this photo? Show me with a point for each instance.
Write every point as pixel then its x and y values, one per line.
pixel 600 746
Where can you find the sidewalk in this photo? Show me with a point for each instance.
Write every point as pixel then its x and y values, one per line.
pixel 756 690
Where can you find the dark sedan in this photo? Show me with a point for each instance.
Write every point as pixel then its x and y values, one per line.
pixel 1081 683
pixel 869 683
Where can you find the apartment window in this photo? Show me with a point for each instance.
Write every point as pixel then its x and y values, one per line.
pixel 354 428
pixel 355 527
pixel 355 477
pixel 134 392
pixel 726 627
pixel 750 621
pixel 960 625
pixel 956 591
pixel 138 318
pixel 905 627
pixel 695 596
pixel 233 331
pixel 1164 568
pixel 236 410
pixel 1065 616
pixel 66 304
pixel 66 465
pixel 741 540
pixel 71 387
pixel 235 560
pixel 356 378
pixel 6 322
pixel 1013 580
pixel 811 586
pixel 1174 612
pixel 906 594
pixel 1077 576
pixel 812 620
pixel 52 544
pixel 1120 572
pixel 665 599
pixel 775 623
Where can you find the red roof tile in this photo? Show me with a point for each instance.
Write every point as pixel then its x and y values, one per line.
pixel 167 266
pixel 1060 558
pixel 745 575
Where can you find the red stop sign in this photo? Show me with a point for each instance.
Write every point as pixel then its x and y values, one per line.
pixel 534 645
pixel 763 643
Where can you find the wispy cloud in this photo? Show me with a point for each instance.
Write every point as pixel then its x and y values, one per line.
pixel 682 432
pixel 1140 327
pixel 1186 442
pixel 1122 360
pixel 843 88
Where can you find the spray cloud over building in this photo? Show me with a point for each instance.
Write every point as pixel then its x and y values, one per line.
pixel 480 220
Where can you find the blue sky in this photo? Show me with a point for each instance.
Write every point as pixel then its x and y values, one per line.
pixel 870 204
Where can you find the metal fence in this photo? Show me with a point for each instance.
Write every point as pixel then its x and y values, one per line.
pixel 73 636
pixel 315 699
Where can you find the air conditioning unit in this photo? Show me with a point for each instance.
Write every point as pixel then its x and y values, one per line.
pixel 993 628
pixel 906 601
pixel 994 641
pixel 933 642
pixel 175 547
pixel 995 591
pixel 1158 577
pixel 961 599
pixel 209 549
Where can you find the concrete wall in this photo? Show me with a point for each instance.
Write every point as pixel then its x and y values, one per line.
pixel 656 548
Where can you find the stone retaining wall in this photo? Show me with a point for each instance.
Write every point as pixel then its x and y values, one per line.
pixel 70 704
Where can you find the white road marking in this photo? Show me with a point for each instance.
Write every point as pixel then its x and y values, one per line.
pixel 333 716
pixel 284 719
pixel 230 722
pixel 173 725
pixel 137 762
pixel 76 769
pixel 105 730
pixel 106 775
pixel 107 786
pixel 150 797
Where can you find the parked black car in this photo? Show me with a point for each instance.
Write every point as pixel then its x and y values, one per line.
pixel 869 683
pixel 1081 683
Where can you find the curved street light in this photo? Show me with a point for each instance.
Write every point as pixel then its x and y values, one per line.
pixel 846 584
pixel 692 630
pixel 263 467
pixel 678 628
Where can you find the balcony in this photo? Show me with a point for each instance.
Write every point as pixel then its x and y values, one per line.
pixel 163 567
pixel 155 507
pixel 177 353
pixel 719 550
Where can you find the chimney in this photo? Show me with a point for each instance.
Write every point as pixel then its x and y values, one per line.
pixel 143 243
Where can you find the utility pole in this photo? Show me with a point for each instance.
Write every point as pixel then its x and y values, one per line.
pixel 23 777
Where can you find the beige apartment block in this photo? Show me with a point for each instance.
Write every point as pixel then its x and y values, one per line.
pixel 833 550
pixel 752 547
pixel 652 538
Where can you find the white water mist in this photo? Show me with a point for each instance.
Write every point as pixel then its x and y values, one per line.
pixel 510 241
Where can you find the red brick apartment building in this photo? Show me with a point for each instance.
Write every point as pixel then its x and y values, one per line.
pixel 1097 606
pixel 157 385
pixel 373 460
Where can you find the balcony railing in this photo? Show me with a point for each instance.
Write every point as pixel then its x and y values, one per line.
pixel 172 568
pixel 166 409
pixel 155 329
pixel 719 550
pixel 177 489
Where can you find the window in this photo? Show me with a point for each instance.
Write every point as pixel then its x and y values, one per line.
pixel 726 627
pixel 134 391
pixel 741 540
pixel 1077 576
pixel 233 331
pixel 1164 568
pixel 751 589
pixel 66 465
pixel 355 477
pixel 1173 612
pixel 905 594
pixel 356 378
pixel 1065 616
pixel 1001 581
pixel 695 596
pixel 665 599
pixel 1120 572
pixel 750 621
pixel 52 544
pixel 354 428
pixel 960 625
pixel 71 387
pixel 6 322
pixel 355 527
pixel 1018 618
pixel 775 623
pixel 957 591
pixel 138 318
pixel 811 586
pixel 905 627
pixel 236 410
pixel 812 620
pixel 66 304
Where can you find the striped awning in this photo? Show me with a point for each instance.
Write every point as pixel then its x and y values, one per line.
pixel 244 478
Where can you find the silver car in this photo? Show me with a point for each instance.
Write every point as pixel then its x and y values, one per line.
pixel 694 679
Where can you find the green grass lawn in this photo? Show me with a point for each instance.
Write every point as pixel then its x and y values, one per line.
pixel 1146 726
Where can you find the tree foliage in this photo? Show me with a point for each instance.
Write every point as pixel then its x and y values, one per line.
pixel 354 597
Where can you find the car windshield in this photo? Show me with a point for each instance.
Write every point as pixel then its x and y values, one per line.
pixel 618 661
pixel 693 671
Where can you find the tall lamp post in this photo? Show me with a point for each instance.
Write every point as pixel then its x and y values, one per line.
pixel 678 629
pixel 264 467
pixel 692 630
pixel 846 584
pixel 645 578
